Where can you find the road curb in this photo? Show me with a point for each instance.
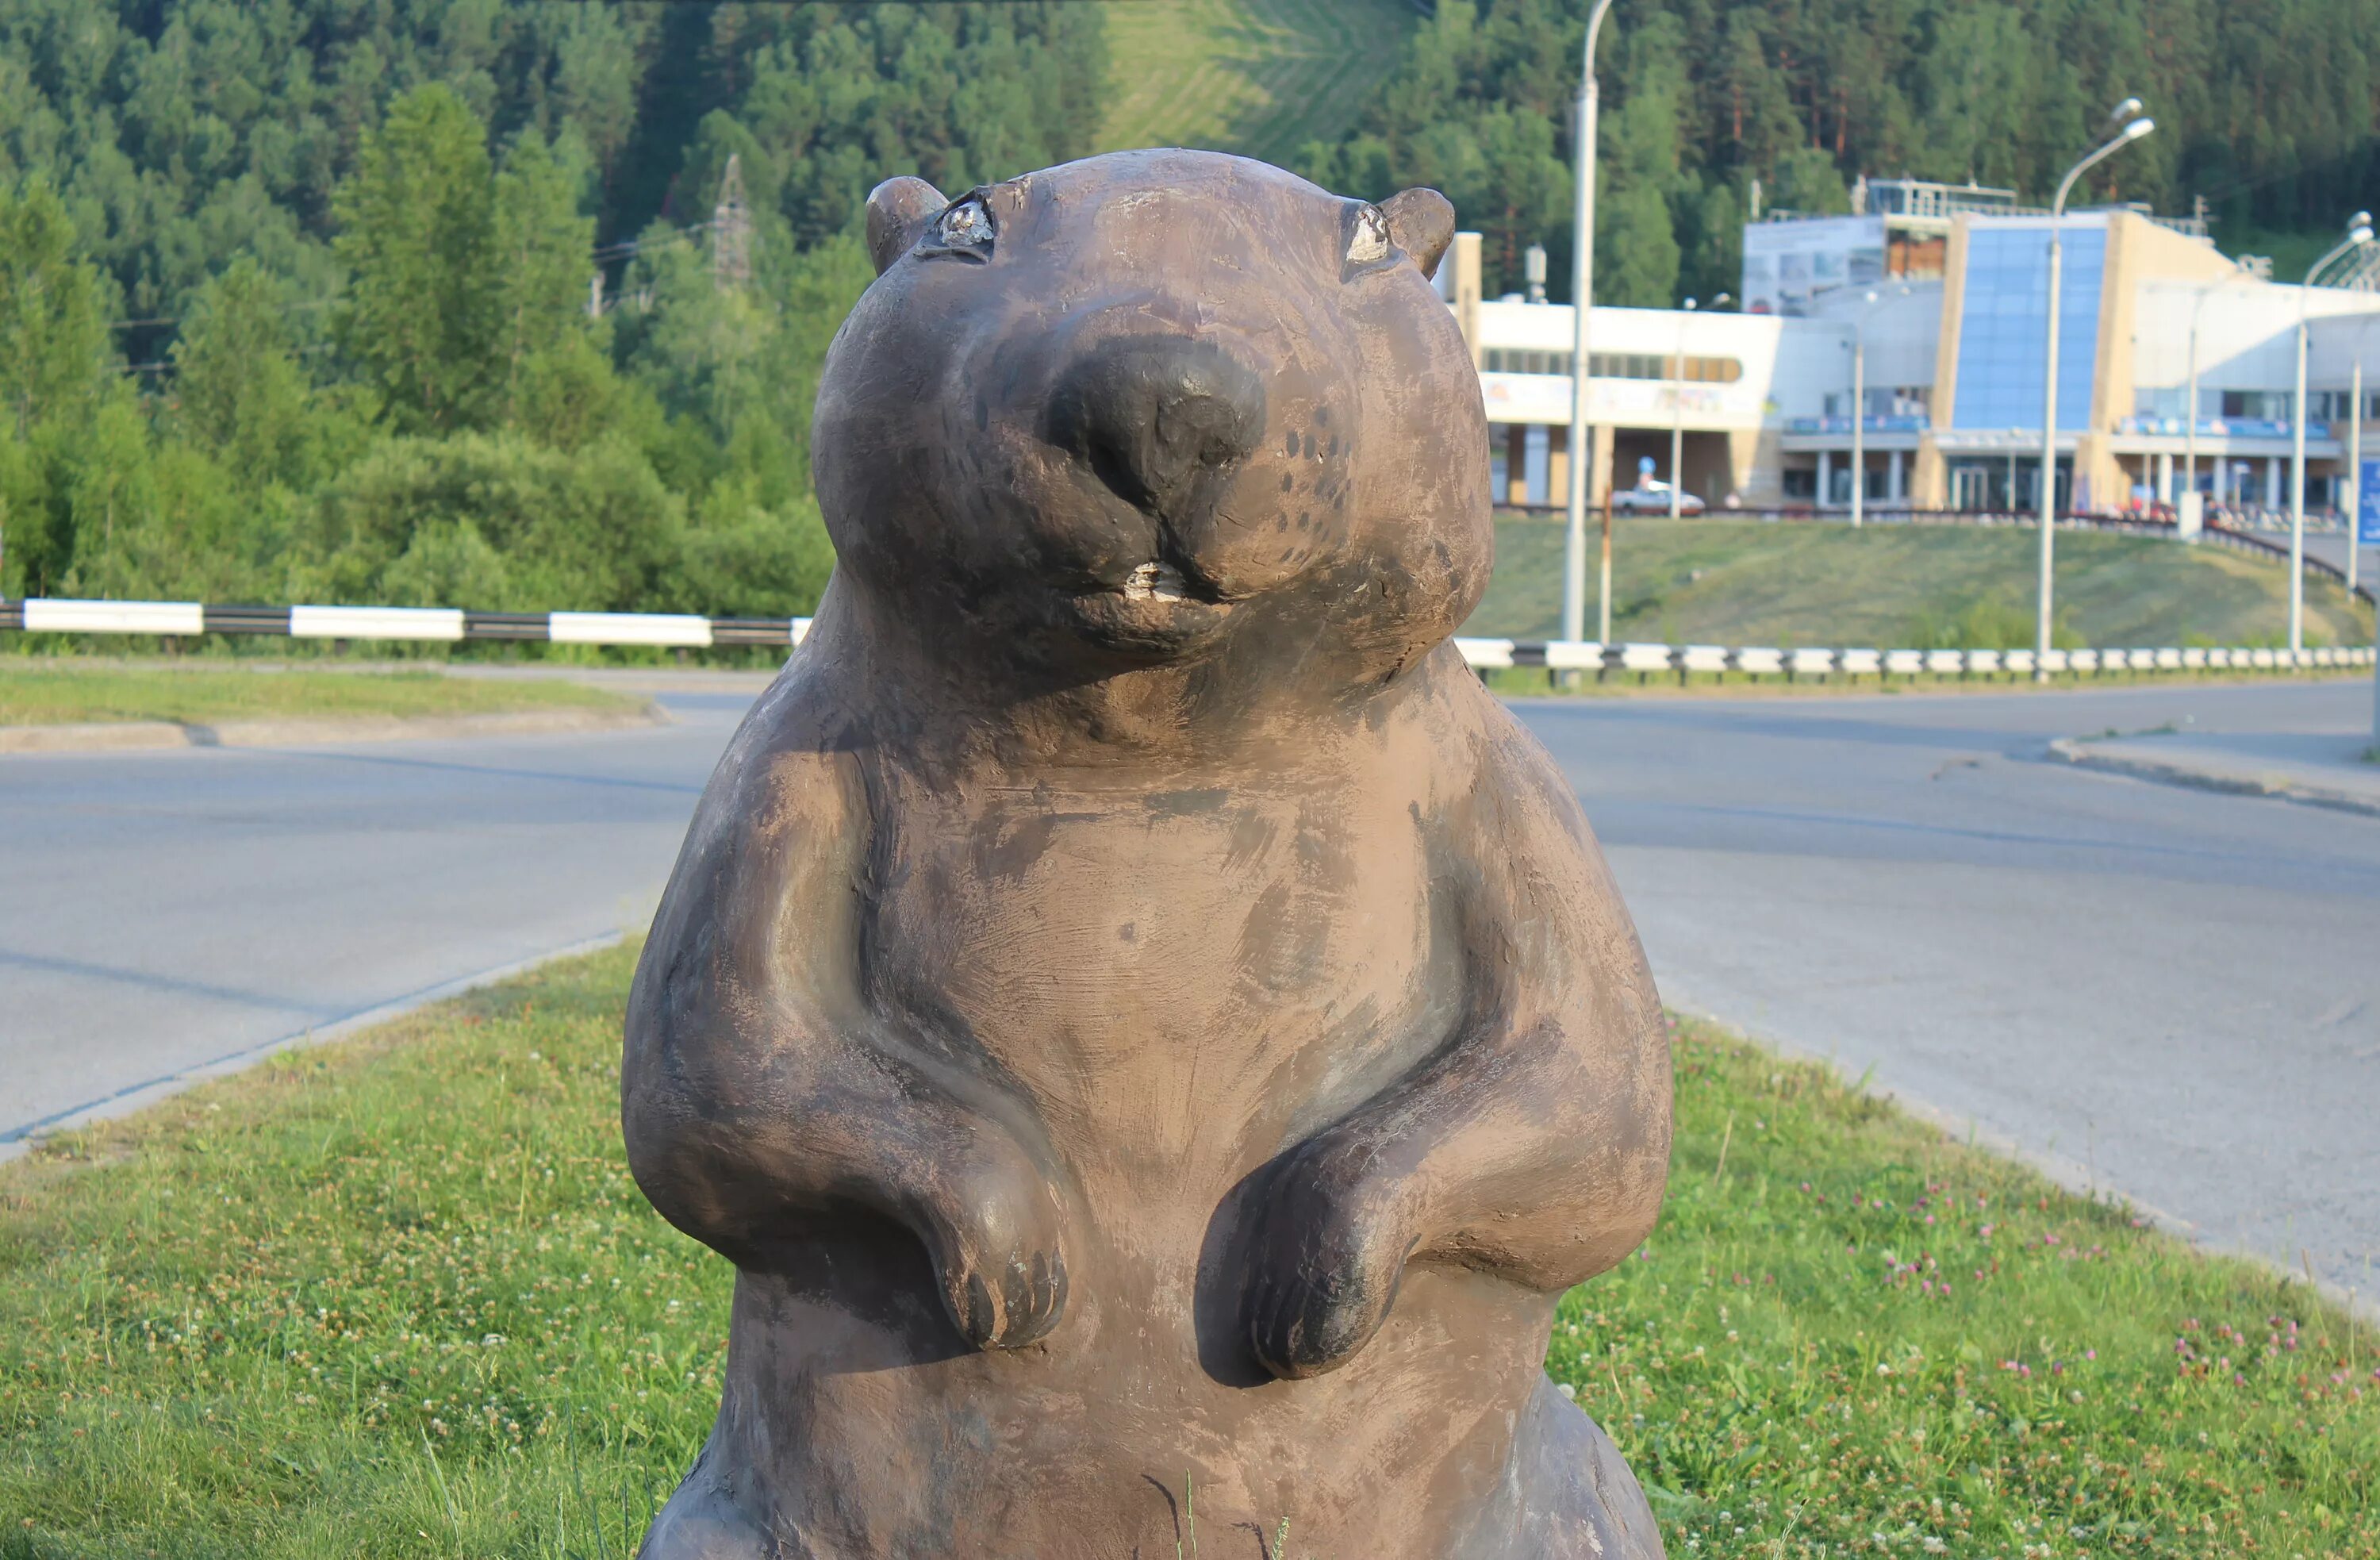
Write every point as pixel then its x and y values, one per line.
pixel 134 1098
pixel 304 731
pixel 2077 751
pixel 2075 1176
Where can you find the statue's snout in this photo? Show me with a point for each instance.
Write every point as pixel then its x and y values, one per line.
pixel 1154 416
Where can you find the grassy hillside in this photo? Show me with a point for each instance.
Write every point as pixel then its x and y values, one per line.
pixel 1261 77
pixel 1744 582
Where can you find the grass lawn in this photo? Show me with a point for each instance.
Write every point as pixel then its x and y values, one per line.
pixel 399 1298
pixel 45 692
pixel 2290 251
pixel 1257 77
pixel 1715 581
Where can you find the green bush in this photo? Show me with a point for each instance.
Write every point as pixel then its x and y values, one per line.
pixel 495 522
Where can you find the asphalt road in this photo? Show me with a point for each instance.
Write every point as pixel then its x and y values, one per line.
pixel 181 910
pixel 2168 993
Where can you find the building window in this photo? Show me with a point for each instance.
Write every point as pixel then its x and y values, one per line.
pixel 1884 400
pixel 2004 315
pixel 1615 365
pixel 1914 257
pixel 1648 365
pixel 2266 406
pixel 1803 483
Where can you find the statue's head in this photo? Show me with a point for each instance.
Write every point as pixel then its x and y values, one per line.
pixel 1158 407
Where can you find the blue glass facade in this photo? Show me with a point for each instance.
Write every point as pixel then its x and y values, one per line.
pixel 2002 327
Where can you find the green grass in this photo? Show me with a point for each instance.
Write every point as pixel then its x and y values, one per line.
pixel 1715 581
pixel 2290 251
pixel 1257 77
pixel 40 691
pixel 399 1298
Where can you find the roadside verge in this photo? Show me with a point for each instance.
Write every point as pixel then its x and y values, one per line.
pixel 2317 779
pixel 404 1286
pixel 315 730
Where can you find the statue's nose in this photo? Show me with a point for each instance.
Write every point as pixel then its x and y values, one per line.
pixel 1151 415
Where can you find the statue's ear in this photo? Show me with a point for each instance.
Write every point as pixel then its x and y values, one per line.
pixel 896 210
pixel 1421 222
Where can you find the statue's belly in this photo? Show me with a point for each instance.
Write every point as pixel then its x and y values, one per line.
pixel 1180 988
pixel 1179 983
pixel 956 1450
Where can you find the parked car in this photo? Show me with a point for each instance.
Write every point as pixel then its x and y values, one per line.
pixel 1651 498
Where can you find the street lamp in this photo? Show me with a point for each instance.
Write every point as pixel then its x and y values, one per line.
pixel 1678 410
pixel 2355 512
pixel 2355 453
pixel 1678 414
pixel 1581 298
pixel 2359 233
pixel 2189 444
pixel 2133 130
pixel 1859 403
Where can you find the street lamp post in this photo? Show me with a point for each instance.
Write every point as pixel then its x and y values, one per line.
pixel 2354 470
pixel 2359 233
pixel 1678 412
pixel 1582 299
pixel 2355 451
pixel 1859 405
pixel 1859 417
pixel 2189 444
pixel 2132 131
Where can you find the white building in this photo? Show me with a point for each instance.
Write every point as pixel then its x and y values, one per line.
pixel 1946 290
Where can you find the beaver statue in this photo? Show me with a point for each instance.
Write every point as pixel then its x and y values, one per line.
pixel 1154 1035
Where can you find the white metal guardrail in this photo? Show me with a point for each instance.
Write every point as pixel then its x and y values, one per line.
pixel 40 615
pixel 45 615
pixel 1761 660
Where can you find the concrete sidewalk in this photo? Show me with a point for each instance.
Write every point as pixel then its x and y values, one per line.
pixel 2327 768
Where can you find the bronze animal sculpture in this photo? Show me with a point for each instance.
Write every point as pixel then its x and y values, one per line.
pixel 1143 1021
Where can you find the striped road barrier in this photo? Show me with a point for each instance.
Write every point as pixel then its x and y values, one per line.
pixel 1762 661
pixel 49 615
pixel 53 615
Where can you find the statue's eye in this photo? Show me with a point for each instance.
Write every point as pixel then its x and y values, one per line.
pixel 965 227
pixel 1367 238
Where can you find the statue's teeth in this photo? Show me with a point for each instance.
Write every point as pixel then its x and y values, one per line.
pixel 1153 582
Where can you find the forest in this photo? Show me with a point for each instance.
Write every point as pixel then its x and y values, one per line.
pixel 433 301
pixel 2268 109
pixel 421 302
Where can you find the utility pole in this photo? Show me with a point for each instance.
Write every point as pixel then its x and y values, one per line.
pixel 731 230
pixel 1582 302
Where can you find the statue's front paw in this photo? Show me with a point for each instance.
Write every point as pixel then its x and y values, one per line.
pixel 1329 1252
pixel 993 1231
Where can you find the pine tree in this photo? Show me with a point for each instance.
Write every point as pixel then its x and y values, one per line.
pixel 418 234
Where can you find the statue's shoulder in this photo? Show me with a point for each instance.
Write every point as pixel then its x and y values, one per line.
pixel 798 760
